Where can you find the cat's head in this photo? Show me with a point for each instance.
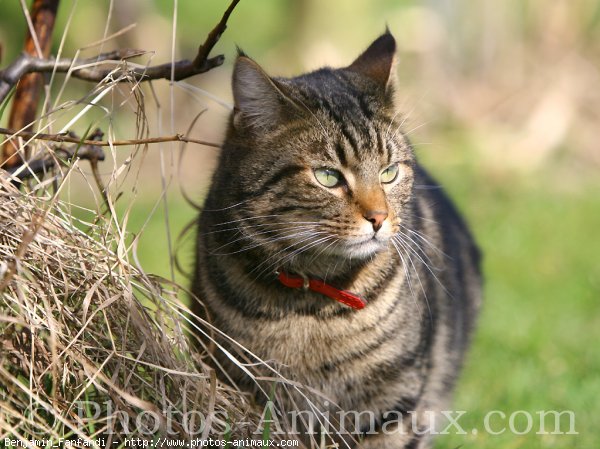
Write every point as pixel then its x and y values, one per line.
pixel 318 164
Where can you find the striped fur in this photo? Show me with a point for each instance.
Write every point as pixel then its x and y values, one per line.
pixel 265 211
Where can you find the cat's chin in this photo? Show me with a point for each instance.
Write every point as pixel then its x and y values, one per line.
pixel 362 250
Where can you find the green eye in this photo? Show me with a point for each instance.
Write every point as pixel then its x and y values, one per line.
pixel 389 174
pixel 328 177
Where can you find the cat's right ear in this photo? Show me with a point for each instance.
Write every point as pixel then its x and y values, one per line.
pixel 259 101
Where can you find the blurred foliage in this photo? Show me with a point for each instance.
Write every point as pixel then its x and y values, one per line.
pixel 503 104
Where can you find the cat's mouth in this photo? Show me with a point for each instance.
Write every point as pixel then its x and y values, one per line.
pixel 365 246
pixel 356 247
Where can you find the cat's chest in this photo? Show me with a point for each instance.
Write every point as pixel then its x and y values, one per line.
pixel 302 342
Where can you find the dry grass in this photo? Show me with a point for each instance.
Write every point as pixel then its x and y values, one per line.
pixel 79 323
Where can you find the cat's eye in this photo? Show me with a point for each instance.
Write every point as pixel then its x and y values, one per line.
pixel 389 174
pixel 328 177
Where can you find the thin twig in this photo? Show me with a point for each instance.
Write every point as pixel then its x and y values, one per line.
pixel 214 36
pixel 61 138
pixel 92 153
pixel 99 182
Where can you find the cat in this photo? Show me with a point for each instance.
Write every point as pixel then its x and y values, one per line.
pixel 325 249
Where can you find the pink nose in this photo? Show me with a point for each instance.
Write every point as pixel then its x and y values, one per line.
pixel 376 217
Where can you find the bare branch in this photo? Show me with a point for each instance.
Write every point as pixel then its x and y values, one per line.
pixel 68 138
pixel 182 69
pixel 26 63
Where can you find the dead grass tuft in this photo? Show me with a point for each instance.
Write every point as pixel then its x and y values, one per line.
pixel 90 344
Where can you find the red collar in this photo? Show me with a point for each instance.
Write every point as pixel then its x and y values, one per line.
pixel 343 296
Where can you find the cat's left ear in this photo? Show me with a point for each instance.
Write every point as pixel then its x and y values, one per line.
pixel 378 62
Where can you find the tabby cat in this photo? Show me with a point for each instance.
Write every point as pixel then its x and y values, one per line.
pixel 326 250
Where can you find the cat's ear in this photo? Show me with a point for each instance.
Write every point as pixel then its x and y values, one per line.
pixel 259 101
pixel 378 61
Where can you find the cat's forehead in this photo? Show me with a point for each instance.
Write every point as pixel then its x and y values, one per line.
pixel 340 92
pixel 341 99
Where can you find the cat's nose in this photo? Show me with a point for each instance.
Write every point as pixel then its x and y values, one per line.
pixel 376 217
